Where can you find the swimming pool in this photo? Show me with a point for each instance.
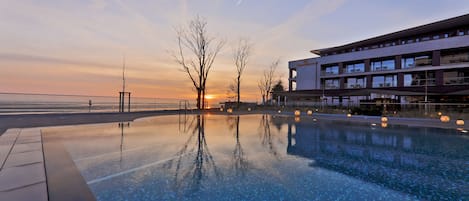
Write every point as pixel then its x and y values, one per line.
pixel 264 157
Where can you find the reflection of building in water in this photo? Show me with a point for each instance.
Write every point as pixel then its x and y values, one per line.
pixel 414 161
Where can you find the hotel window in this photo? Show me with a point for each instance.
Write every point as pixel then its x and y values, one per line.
pixel 454 56
pixel 457 77
pixel 331 70
pixel 419 79
pixel 355 82
pixel 384 81
pixel 383 65
pixel 425 38
pixel 332 83
pixel 354 68
pixel 414 61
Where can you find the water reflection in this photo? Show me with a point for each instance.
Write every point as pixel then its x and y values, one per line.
pixel 122 125
pixel 194 160
pixel 267 135
pixel 418 161
pixel 240 163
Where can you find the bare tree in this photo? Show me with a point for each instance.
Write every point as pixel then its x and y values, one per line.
pixel 265 82
pixel 241 55
pixel 196 53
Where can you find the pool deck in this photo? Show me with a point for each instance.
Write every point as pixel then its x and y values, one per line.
pixel 22 164
pixel 22 172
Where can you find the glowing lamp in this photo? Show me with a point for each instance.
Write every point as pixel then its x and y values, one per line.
pixel 309 112
pixel 315 120
pixel 444 119
pixel 460 122
pixel 439 113
pixel 349 115
pixel 384 124
pixel 384 119
pixel 279 111
pixel 297 112
pixel 221 109
pixel 229 110
pixel 249 109
pixel 297 119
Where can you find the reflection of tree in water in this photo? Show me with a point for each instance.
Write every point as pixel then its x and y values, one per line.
pixel 266 135
pixel 240 162
pixel 189 170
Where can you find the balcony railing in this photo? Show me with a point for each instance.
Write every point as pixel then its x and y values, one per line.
pixel 422 82
pixel 325 73
pixel 456 80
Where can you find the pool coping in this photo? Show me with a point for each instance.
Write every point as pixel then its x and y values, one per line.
pixel 59 165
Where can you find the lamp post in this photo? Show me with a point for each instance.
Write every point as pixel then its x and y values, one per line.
pixel 426 93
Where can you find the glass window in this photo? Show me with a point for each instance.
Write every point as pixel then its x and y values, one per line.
pixel 355 68
pixel 332 83
pixel 378 81
pixel 384 81
pixel 382 65
pixel 459 77
pixel 376 66
pixel 353 82
pixel 388 65
pixel 332 70
pixel 419 79
pixel 423 61
pixel 458 56
pixel 408 62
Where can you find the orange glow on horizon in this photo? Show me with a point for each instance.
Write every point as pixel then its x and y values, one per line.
pixel 210 96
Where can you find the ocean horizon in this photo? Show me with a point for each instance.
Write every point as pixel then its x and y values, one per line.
pixel 29 103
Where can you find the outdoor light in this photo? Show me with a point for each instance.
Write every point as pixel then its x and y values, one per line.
pixel 297 119
pixel 297 112
pixel 444 119
pixel 460 122
pixel 221 109
pixel 384 119
pixel 309 112
pixel 279 111
pixel 249 109
pixel 349 115
pixel 384 124
pixel 229 110
pixel 314 119
pixel 439 113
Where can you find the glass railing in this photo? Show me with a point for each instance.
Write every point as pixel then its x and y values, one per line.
pixel 325 73
pixel 421 82
pixel 456 80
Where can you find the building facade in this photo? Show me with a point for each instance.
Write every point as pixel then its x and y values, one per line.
pixel 428 63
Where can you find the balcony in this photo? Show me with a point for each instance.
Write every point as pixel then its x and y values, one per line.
pixel 421 82
pixel 456 80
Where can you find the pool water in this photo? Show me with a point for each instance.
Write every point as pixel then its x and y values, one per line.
pixel 263 157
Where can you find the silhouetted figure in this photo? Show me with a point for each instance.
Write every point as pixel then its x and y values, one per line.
pixel 90 103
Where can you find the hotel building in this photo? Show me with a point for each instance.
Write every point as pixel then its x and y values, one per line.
pixel 428 63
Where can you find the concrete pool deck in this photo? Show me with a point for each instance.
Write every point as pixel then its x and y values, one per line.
pixel 23 166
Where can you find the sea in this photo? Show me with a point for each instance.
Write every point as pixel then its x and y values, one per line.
pixel 23 103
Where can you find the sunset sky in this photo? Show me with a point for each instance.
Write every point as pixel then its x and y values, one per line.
pixel 76 47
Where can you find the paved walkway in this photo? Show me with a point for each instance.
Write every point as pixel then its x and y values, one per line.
pixel 22 173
